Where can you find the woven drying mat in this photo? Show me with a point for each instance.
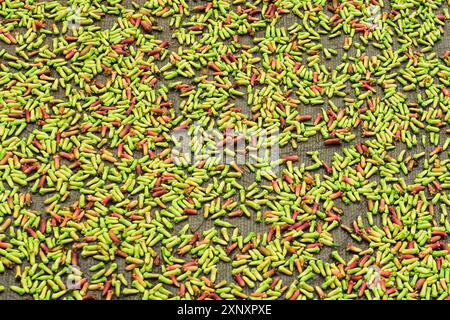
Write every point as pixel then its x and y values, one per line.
pixel 315 143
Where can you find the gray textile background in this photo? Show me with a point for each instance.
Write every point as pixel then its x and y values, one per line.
pixel 351 212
